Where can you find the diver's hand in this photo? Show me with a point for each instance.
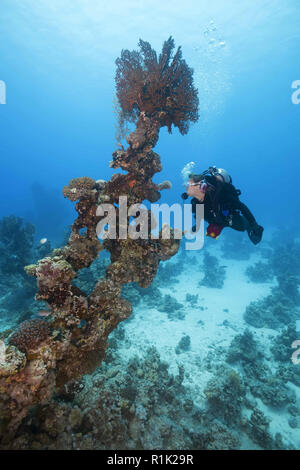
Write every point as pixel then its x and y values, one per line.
pixel 255 233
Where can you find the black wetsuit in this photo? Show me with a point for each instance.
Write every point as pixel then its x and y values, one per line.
pixel 223 207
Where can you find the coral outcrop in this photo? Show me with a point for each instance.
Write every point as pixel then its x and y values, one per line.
pixel 135 404
pixel 260 380
pixel 279 308
pixel 214 274
pixel 172 307
pixel 259 272
pixel 225 394
pixel 152 93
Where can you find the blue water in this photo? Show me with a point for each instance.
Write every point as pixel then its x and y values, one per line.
pixel 57 60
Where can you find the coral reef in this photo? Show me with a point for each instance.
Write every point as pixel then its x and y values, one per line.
pixel 259 272
pixel 273 392
pixel 139 404
pixel 183 345
pixel 281 347
pixel 133 405
pixel 279 308
pixel 231 393
pixel 285 258
pixel 167 273
pixel 214 274
pixel 243 348
pixel 192 298
pixel 172 307
pixel 154 94
pixel 257 427
pixel 281 350
pixel 225 393
pixel 259 380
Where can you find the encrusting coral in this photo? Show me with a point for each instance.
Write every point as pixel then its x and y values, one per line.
pixel 152 93
pixel 30 334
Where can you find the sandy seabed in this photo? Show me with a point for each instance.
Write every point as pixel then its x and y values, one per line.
pixel 211 323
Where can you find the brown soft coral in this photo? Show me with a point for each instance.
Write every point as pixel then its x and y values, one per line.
pixel 161 86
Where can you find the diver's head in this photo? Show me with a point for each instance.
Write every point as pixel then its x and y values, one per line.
pixel 196 186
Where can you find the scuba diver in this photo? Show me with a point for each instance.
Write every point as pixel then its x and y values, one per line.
pixel 222 207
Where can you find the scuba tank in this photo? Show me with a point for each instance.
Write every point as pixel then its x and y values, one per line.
pixel 214 171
